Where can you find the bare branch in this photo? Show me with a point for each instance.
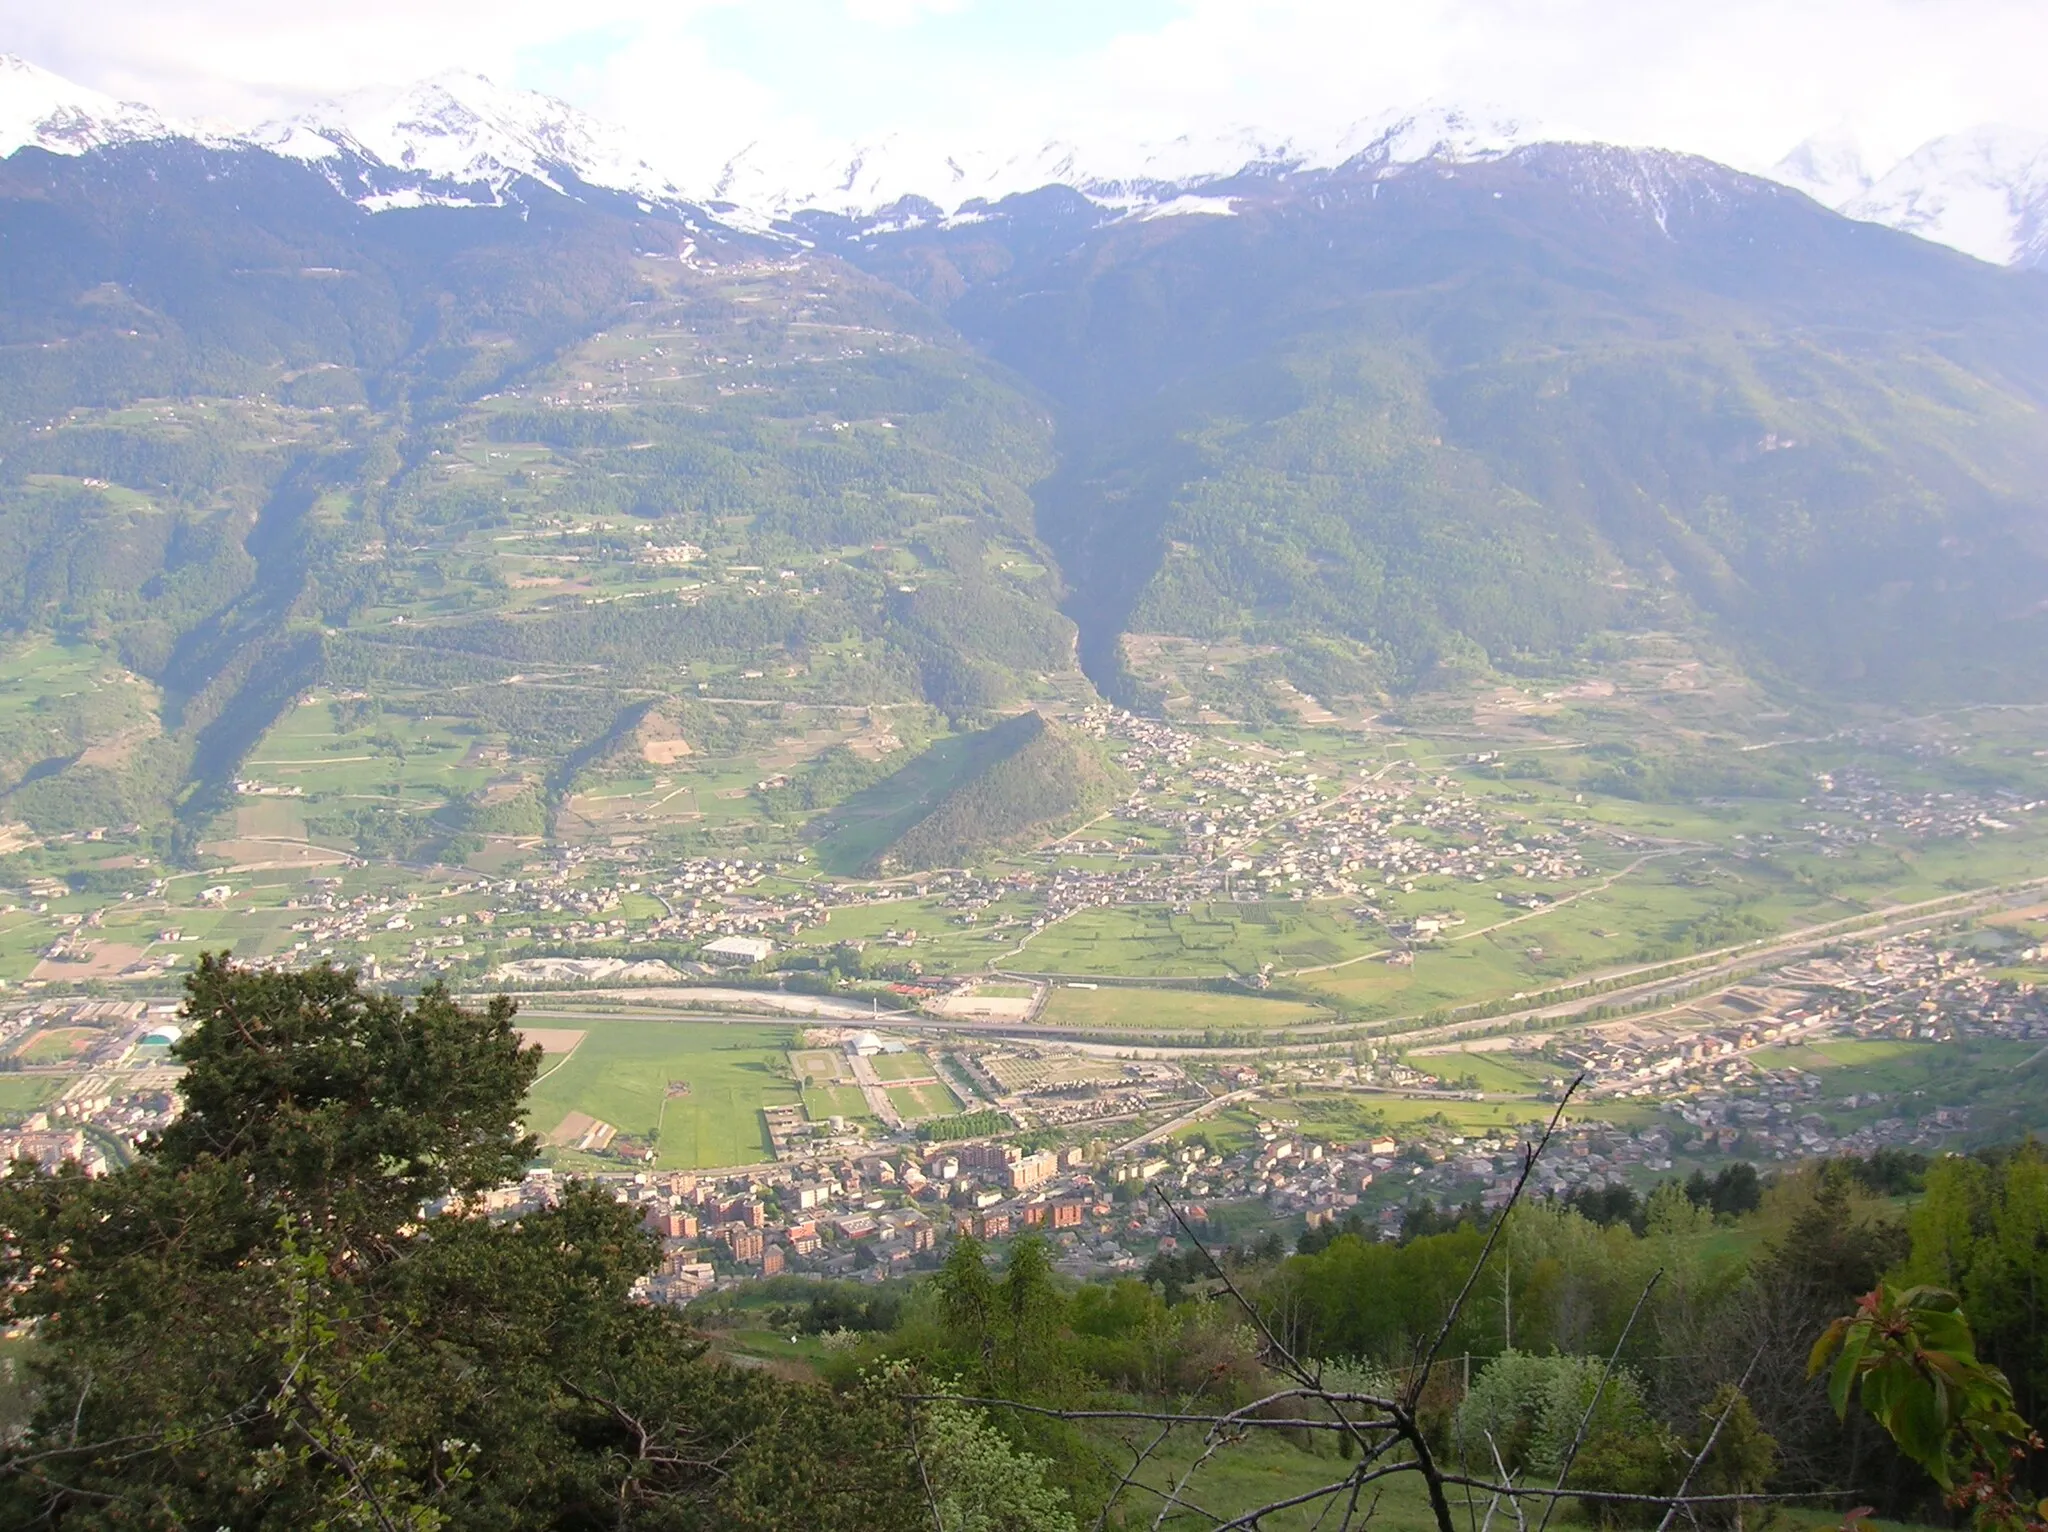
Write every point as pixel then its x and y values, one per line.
pixel 1402 1421
pixel 1289 1365
pixel 348 1467
pixel 79 1413
pixel 1351 1509
pixel 1253 1518
pixel 917 1454
pixel 1215 1443
pixel 152 1441
pixel 1129 1477
pixel 1530 1156
pixel 1537 1491
pixel 1707 1446
pixel 1355 1482
pixel 1514 1501
pixel 1239 1417
pixel 1586 1420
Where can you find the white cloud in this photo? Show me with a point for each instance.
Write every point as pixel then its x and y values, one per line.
pixel 230 59
pixel 901 13
pixel 1738 79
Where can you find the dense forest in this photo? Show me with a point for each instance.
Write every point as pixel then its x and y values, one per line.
pixel 1027 778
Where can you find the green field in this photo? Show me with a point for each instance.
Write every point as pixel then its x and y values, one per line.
pixel 1505 1073
pixel 902 1066
pixel 876 816
pixel 1343 1116
pixel 386 756
pixel 24 1093
pixel 923 1100
pixel 1209 941
pixel 2001 1082
pixel 622 1072
pixel 823 1101
pixel 56 1044
pixel 60 697
pixel 1128 1006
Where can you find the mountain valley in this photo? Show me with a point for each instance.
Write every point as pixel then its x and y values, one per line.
pixel 1329 600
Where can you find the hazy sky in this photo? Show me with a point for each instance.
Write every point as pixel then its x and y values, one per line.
pixel 1741 80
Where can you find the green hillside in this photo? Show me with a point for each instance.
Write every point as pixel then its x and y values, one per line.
pixel 514 480
pixel 1453 421
pixel 535 502
pixel 1030 778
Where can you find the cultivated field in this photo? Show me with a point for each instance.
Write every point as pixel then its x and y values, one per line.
pixel 24 1093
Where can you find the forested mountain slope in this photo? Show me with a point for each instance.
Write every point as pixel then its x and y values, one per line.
pixel 549 470
pixel 535 470
pixel 1489 410
pixel 1031 778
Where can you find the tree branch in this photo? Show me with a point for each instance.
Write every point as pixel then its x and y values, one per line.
pixel 1586 1420
pixel 1530 1156
pixel 1707 1446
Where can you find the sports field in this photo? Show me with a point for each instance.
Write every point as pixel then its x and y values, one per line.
pixel 823 1101
pixel 923 1100
pixel 53 1045
pixel 629 1074
pixel 819 1066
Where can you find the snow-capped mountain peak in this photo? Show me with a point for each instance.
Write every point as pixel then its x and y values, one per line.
pixel 42 110
pixel 861 179
pixel 460 139
pixel 1984 191
pixel 1829 167
pixel 452 136
pixel 1433 131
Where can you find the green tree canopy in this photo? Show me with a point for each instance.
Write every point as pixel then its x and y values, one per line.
pixel 260 1325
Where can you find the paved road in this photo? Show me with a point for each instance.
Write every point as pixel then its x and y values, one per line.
pixel 1213 1104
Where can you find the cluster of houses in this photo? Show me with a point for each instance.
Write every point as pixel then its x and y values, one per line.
pixel 873 1216
pixel 52 1148
pixel 1860 809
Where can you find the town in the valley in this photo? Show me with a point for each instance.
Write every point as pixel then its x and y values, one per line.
pixel 1118 1154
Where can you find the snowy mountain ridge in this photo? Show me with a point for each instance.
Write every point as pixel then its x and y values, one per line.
pixel 1983 191
pixel 46 111
pixel 1145 177
pixel 458 139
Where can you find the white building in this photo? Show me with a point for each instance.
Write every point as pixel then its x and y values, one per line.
pixel 741 949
